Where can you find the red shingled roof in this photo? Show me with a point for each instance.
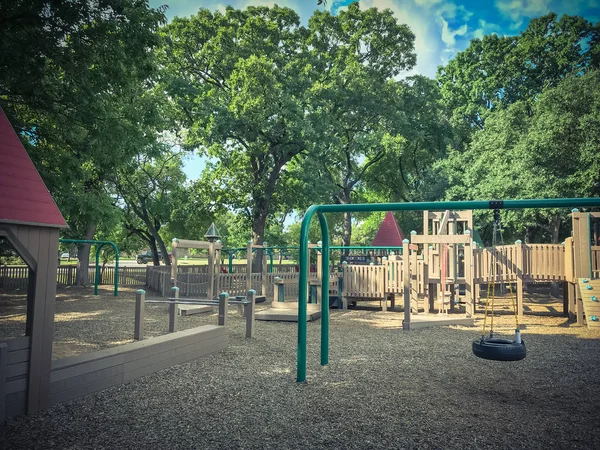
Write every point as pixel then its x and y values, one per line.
pixel 24 197
pixel 389 232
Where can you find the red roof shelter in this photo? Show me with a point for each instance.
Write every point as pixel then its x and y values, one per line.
pixel 23 195
pixel 389 233
pixel 30 221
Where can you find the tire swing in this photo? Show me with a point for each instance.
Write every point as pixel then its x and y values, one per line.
pixel 493 348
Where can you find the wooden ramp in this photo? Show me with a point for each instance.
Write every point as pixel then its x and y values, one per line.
pixel 590 294
pixel 288 312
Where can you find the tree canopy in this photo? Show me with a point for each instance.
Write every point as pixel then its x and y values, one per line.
pixel 108 98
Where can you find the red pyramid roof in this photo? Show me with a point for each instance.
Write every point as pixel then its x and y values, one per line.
pixel 24 197
pixel 389 232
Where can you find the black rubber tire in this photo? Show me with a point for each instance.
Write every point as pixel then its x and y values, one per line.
pixel 499 349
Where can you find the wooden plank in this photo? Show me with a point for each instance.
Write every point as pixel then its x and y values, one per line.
pixel 90 388
pixel 3 369
pixel 16 399
pixel 86 379
pixel 17 370
pixel 15 386
pixel 99 384
pixel 50 239
pixel 195 354
pixel 81 369
pixel 146 347
pixel 440 239
pixel 18 409
pixel 133 361
pixel 19 343
pixel 18 357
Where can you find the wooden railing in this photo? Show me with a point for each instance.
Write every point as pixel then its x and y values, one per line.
pixel 596 261
pixel 364 281
pixel 13 277
pixel 531 262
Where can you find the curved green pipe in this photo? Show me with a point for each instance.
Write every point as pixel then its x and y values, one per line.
pixel 373 207
pixel 99 245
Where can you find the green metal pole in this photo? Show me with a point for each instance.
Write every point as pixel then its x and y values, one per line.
pixel 100 243
pixel 324 290
pixel 116 290
pixel 98 248
pixel 271 260
pixel 302 294
pixel 230 262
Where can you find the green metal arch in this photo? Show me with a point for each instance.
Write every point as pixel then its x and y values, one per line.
pixel 373 207
pixel 99 245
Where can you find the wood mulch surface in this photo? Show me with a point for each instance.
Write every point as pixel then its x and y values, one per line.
pixel 383 388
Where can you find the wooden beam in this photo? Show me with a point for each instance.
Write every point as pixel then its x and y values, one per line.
pixel 441 239
pixel 444 222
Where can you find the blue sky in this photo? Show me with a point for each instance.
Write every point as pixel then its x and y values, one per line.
pixel 441 28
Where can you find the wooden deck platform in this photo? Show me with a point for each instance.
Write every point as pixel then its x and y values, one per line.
pixel 288 312
pixel 188 310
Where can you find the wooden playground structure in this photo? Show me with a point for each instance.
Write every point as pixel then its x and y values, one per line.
pixel 446 269
pixel 443 270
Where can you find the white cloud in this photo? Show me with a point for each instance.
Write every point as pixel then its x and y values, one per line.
pixel 434 22
pixel 486 28
pixel 518 10
pixel 428 44
pixel 449 36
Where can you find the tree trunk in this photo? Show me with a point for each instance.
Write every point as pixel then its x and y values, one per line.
pixel 163 250
pixel 555 222
pixel 530 233
pixel 555 228
pixel 83 255
pixel 258 237
pixel 347 230
pixel 345 198
pixel 154 250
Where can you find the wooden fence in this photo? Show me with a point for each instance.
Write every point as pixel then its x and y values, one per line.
pixel 364 281
pixel 279 268
pixel 530 262
pixel 14 277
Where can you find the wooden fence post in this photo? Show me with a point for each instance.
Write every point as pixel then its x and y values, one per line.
pixel 249 311
pixel 582 255
pixel 223 305
pixel 174 310
pixel 211 271
pixel 138 328
pixel 406 284
pixel 249 266
pixel 265 274
pixel 519 273
pixel 3 366
pixel 468 264
pixel 340 290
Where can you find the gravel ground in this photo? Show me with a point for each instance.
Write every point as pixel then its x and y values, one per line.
pixel 383 388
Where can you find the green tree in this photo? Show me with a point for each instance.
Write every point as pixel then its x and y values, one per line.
pixel 255 90
pixel 358 55
pixel 496 71
pixel 71 82
pixel 544 150
pixel 422 134
pixel 148 186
